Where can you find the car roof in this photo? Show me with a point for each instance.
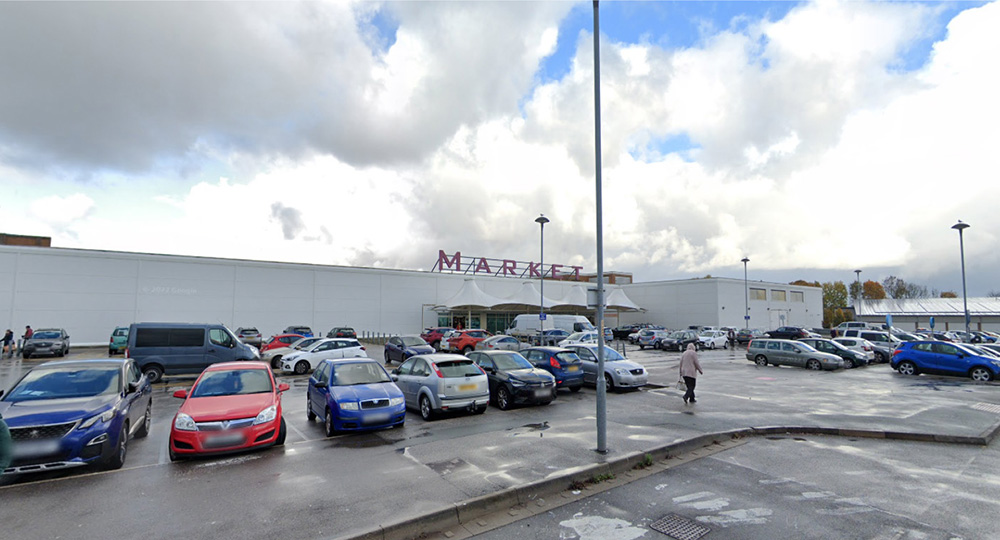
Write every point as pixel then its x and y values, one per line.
pixel 235 366
pixel 439 357
pixel 548 349
pixel 496 352
pixel 85 362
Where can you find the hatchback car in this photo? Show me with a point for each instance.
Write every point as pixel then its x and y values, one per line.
pixel 941 358
pixel 550 337
pixel 562 363
pixel 67 414
pixel 499 343
pixel 513 380
pixel 851 358
pixel 712 339
pixel 619 372
pixel 47 341
pixel 650 338
pixel 399 348
pixel 747 335
pixel 300 330
pixel 791 353
pixel 118 341
pixel 678 341
pixel 302 361
pixel 233 406
pixel 342 331
pixel 589 336
pixel 465 341
pixel 352 395
pixel 434 334
pixel 860 345
pixel 249 335
pixel 280 340
pixel 442 382
pixel 274 356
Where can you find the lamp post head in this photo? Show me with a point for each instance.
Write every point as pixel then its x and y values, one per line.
pixel 744 260
pixel 541 220
pixel 960 226
pixel 858 272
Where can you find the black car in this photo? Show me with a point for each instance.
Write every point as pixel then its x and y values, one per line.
pixel 789 332
pixel 47 341
pixel 622 332
pixel 514 380
pixel 342 331
pixel 679 340
pixel 829 346
pixel 748 335
pixel 249 335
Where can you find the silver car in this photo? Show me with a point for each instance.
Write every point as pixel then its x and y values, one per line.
pixel 441 382
pixel 500 343
pixel 791 353
pixel 619 372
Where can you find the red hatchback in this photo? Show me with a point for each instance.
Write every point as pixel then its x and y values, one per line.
pixel 280 340
pixel 232 406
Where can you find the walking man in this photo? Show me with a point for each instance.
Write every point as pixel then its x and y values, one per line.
pixel 8 344
pixel 690 368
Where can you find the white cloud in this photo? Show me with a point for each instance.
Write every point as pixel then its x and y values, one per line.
pixel 60 211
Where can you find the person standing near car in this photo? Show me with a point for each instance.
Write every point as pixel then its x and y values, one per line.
pixel 28 332
pixel 689 370
pixel 8 344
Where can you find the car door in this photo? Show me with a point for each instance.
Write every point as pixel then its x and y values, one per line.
pixel 485 362
pixel 319 388
pixel 950 359
pixel 404 375
pixel 394 349
pixel 136 401
pixel 221 347
pixel 588 361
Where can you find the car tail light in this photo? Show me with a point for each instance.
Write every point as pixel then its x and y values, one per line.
pixel 126 353
pixel 438 371
pixel 897 351
pixel 866 347
pixel 362 347
pixel 553 362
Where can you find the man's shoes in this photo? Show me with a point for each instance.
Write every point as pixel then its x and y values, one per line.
pixel 685 400
pixel 693 400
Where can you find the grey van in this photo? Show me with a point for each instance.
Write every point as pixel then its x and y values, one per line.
pixel 790 353
pixel 178 348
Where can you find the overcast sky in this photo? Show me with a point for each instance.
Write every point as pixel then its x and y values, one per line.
pixel 814 138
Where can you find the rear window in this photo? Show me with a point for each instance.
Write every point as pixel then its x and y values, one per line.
pixel 567 358
pixel 169 337
pixel 458 368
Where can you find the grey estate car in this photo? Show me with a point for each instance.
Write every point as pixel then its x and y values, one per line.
pixel 619 372
pixel 440 382
pixel 790 353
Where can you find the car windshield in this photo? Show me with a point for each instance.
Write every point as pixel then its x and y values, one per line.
pixel 677 335
pixel 458 368
pixel 304 342
pixel 358 373
pixel 43 334
pixel 610 355
pixel 62 382
pixel 510 361
pixel 707 333
pixel 121 332
pixel 413 341
pixel 232 382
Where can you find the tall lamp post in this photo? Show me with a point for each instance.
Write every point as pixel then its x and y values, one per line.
pixel 857 301
pixel 541 220
pixel 746 294
pixel 961 246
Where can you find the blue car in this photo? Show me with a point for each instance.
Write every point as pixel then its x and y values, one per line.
pixel 563 364
pixel 401 348
pixel 942 358
pixel 73 413
pixel 354 394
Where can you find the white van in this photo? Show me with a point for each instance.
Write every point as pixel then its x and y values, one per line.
pixel 527 325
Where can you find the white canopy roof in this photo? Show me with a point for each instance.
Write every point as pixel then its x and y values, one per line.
pixel 527 295
pixel 576 296
pixel 471 296
pixel 617 299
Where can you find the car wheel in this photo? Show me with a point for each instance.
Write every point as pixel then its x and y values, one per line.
pixel 814 364
pixel 503 399
pixel 426 412
pixel 880 358
pixel 466 350
pixel 575 389
pixel 328 424
pixel 850 363
pixel 117 459
pixel 26 355
pixel 981 374
pixel 609 384
pixel 711 345
pixel 760 360
pixel 642 347
pixel 153 373
pixel 147 420
pixel 725 345
pixel 170 452
pixel 907 368
pixel 309 412
pixel 436 345
pixel 301 367
pixel 111 352
pixel 282 433
pixel 387 359
pixel 479 410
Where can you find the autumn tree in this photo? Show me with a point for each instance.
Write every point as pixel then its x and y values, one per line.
pixel 948 294
pixel 870 290
pixel 804 283
pixel 834 294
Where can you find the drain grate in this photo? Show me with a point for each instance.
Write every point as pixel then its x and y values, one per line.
pixel 988 407
pixel 680 528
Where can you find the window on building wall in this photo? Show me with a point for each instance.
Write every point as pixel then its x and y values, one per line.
pixel 778 296
pixel 798 296
pixel 758 294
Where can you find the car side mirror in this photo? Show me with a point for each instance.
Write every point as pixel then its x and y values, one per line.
pixel 183 394
pixel 395 371
pixel 283 387
pixel 394 376
pixel 490 370
pixel 320 384
pixel 131 387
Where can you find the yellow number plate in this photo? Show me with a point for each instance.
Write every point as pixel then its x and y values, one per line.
pixel 464 387
pixel 573 368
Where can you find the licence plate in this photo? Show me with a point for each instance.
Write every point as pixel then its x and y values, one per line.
pixel 378 418
pixel 543 393
pixel 467 387
pixel 573 368
pixel 224 440
pixel 30 449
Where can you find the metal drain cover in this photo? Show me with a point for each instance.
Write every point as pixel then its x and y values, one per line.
pixel 679 527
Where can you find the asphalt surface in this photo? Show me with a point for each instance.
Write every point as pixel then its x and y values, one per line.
pixel 317 487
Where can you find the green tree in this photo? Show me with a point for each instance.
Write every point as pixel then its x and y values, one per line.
pixel 834 294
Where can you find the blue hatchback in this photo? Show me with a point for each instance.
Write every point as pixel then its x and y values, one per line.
pixel 563 364
pixel 354 394
pixel 942 358
pixel 74 413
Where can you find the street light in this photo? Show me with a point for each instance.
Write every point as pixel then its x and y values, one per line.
pixel 541 220
pixel 746 293
pixel 961 246
pixel 857 301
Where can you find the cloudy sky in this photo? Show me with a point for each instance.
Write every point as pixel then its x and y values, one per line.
pixel 814 138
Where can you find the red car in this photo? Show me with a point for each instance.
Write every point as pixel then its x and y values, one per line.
pixel 232 406
pixel 434 334
pixel 280 340
pixel 465 340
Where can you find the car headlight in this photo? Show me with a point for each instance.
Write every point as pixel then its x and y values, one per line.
pixel 395 402
pixel 106 416
pixel 516 382
pixel 348 405
pixel 621 371
pixel 267 415
pixel 184 422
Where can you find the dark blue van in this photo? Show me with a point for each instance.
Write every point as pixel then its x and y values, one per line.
pixel 181 349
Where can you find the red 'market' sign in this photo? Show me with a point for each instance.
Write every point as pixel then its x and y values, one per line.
pixel 502 267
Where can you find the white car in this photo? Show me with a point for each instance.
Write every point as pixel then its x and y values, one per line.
pixel 589 336
pixel 712 339
pixel 274 356
pixel 862 346
pixel 307 359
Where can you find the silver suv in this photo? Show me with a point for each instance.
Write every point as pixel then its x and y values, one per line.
pixel 435 383
pixel 791 353
pixel 51 341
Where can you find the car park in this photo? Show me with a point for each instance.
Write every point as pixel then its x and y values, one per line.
pixel 442 382
pixel 352 395
pixel 619 372
pixel 679 340
pixel 179 349
pixel 714 339
pixel 464 341
pixel 433 336
pixel 118 341
pixel 748 334
pixel 399 348
pixel 273 356
pixel 306 359
pixel 232 406
pixel 47 342
pixel 579 337
pixel 500 343
pixel 563 364
pixel 342 332
pixel 304 331
pixel 513 380
pixel 249 335
pixel 862 346
pixel 66 414
pixel 851 358
pixel 786 352
pixel 280 340
pixel 942 358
